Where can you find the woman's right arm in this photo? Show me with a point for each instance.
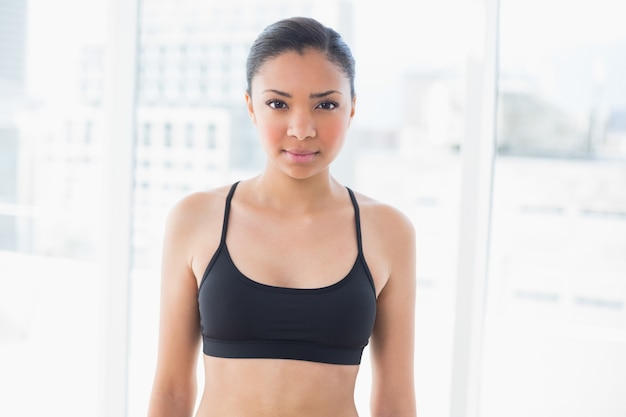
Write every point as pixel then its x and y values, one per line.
pixel 174 387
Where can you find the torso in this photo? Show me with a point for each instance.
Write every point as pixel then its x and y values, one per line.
pixel 277 387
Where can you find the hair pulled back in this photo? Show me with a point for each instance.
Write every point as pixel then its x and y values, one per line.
pixel 299 34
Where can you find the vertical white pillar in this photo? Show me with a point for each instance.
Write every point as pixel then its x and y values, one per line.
pixel 477 174
pixel 118 147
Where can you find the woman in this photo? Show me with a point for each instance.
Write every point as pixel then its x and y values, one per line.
pixel 283 278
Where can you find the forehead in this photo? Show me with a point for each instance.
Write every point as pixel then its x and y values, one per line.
pixel 310 70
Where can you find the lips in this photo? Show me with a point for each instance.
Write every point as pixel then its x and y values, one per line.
pixel 300 156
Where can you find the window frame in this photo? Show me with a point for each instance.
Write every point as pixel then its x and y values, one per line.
pixel 118 154
pixel 478 159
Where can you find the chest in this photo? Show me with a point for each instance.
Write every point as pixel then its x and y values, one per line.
pixel 309 252
pixel 253 319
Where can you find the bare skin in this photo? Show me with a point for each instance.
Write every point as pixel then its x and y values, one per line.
pixel 280 388
pixel 281 224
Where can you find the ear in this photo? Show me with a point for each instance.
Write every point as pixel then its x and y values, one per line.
pixel 352 110
pixel 250 108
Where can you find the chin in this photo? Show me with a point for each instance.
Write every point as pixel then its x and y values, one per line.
pixel 301 175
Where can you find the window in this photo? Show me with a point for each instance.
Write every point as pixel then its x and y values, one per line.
pixel 50 207
pixel 555 306
pixel 557 299
pixel 211 136
pixel 147 134
pixel 167 135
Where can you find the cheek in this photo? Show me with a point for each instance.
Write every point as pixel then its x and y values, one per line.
pixel 334 131
pixel 270 130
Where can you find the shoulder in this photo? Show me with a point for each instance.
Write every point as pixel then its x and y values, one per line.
pixel 197 212
pixel 388 237
pixel 197 206
pixel 192 228
pixel 386 220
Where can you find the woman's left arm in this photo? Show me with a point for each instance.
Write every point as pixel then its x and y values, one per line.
pixel 393 338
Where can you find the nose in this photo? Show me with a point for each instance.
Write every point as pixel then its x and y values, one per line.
pixel 301 125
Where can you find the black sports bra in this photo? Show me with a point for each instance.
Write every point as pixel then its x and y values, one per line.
pixel 242 318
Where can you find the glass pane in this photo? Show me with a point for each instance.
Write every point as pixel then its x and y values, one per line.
pixel 556 319
pixel 50 134
pixel 193 133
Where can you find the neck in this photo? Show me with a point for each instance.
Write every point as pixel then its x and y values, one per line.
pixel 296 195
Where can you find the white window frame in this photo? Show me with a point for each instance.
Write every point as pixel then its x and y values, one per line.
pixel 118 151
pixel 478 159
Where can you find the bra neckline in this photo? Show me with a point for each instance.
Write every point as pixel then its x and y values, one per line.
pixel 293 290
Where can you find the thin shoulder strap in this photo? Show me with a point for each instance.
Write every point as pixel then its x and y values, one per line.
pixel 229 197
pixel 357 219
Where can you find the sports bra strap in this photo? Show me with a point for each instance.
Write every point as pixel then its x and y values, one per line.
pixel 357 219
pixel 227 211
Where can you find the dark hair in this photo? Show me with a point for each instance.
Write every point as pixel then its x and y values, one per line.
pixel 299 34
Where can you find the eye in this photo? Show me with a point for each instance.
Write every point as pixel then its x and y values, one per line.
pixel 327 105
pixel 276 104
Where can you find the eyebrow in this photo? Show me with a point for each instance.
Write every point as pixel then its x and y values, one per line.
pixel 312 95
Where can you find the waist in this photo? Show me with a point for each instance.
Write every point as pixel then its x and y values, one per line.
pixel 277 387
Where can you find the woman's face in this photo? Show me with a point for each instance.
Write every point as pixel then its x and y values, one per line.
pixel 302 107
